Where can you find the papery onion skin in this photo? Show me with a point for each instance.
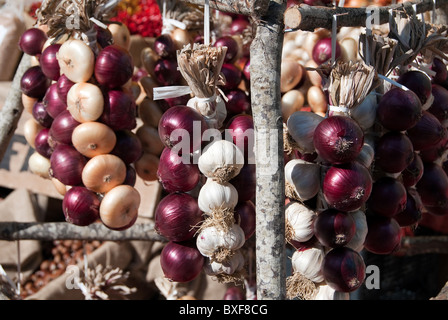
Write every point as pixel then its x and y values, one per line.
pixel 383 236
pixel 439 107
pixel 436 152
pixel 113 67
pixel 166 72
pixel 238 102
pixel 418 82
pixel 334 228
pixel 93 138
pixel 343 269
pixel 34 83
pixel 62 128
pixel 399 110
pixel 187 120
pixel 388 197
pixel 76 60
pixel 41 115
pixel 240 129
pixel 119 111
pixel 119 207
pixel 175 174
pixel 245 216
pixel 164 46
pixel 146 166
pixel 41 143
pixel 232 47
pixel 233 76
pixel 428 132
pixel 32 41
pixel 433 187
pixel 413 172
pixel 80 206
pixel 412 214
pixel 85 101
pixel 394 151
pixel 338 139
pixel 347 187
pixel 54 104
pixel 67 165
pixel 63 86
pixel 128 146
pixel 322 51
pixel 181 261
pixel 176 217
pixel 103 172
pixel 439 67
pixel 49 63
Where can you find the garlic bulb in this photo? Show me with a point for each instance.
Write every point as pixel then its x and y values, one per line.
pixel 365 113
pixel 301 126
pixel 302 179
pixel 299 220
pixel 366 155
pixel 214 195
pixel 235 263
pixel 308 262
pixel 216 120
pixel 212 242
pixel 222 160
pixel 357 242
pixel 325 292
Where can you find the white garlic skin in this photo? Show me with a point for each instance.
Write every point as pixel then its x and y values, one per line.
pixel 210 239
pixel 301 126
pixel 235 263
pixel 357 242
pixel 365 113
pixel 215 195
pixel 308 262
pixel 301 220
pixel 304 177
pixel 327 293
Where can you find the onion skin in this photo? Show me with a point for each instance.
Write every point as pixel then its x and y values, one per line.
pixel 93 138
pixel 413 172
pixel 32 41
pixel 418 82
pixel 388 197
pixel 394 152
pixel 238 102
pixel 413 212
pixel 41 115
pixel 67 165
pixel 128 146
pixel 54 104
pixel 292 73
pixel 347 187
pixel 49 62
pixel 166 72
pixel 119 111
pixel 181 261
pixel 164 46
pixel 338 139
pixel 103 172
pixel 175 175
pixel 147 166
pixel 399 110
pixel 80 206
pixel 233 76
pixel 62 128
pixel 383 236
pixel 334 228
pixel 322 51
pixel 241 129
pixel 119 207
pixel 343 269
pixel 34 83
pixel 232 47
pixel 63 86
pixel 433 188
pixel 41 143
pixel 439 107
pixel 427 133
pixel 113 67
pixel 176 217
pixel 245 216
pixel 76 60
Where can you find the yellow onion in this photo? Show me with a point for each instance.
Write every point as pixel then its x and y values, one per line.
pixel 103 172
pixel 93 138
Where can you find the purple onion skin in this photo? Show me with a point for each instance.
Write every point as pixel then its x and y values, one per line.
pixel 433 188
pixel 439 67
pixel 238 102
pixel 418 82
pixel 234 293
pixel 131 176
pixel 413 212
pixel 338 139
pixel 322 51
pixel 49 63
pixel 54 104
pixel 32 41
pixel 388 197
pixel 334 228
pixel 181 261
pixel 242 126
pixel 245 216
pixel 166 72
pixel 34 83
pixel 232 47
pixel 399 110
pixel 63 86
pixel 66 165
pixel 128 146
pixel 413 171
pixel 434 153
pixel 164 46
pixel 174 174
pixel 233 76
pixel 41 115
pixel 176 216
pixel 427 133
pixel 80 206
pixel 113 67
pixel 62 128
pixel 439 107
pixel 383 236
pixel 394 152
pixel 42 144
pixel 120 111
pixel 344 269
pixel 245 182
pixel 347 187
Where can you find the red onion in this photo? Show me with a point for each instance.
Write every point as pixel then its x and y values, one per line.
pixel 234 293
pixel 80 206
pixel 338 139
pixel 177 215
pixel 55 105
pixel 120 110
pixel 41 143
pixel 322 51
pixel 32 41
pixel 41 115
pixel 427 133
pixel 175 174
pixel 439 107
pixel 238 25
pixel 63 86
pixel 433 187
pixel 383 235
pixel 245 216
pixel 113 66
pixel 128 146
pixel 245 182
pixel 131 176
pixel 436 152
pixel 439 67
pixel 164 46
pixel 232 74
pixel 181 261
pixel 67 164
pixel 399 110
pixel 388 197
pixel 343 269
pixel 393 152
pixel 104 36
pixel 413 212
pixel 232 47
pixel 34 83
pixel 166 72
pixel 240 129
pixel 49 62
pixel 246 70
pixel 413 171
pixel 165 104
pixel 238 102
pixel 62 127
pixel 184 126
pixel 334 228
pixel 347 187
pixel 418 82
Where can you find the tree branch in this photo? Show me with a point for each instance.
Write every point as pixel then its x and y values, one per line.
pixel 247 8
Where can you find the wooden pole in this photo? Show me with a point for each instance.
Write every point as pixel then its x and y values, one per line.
pixel 247 8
